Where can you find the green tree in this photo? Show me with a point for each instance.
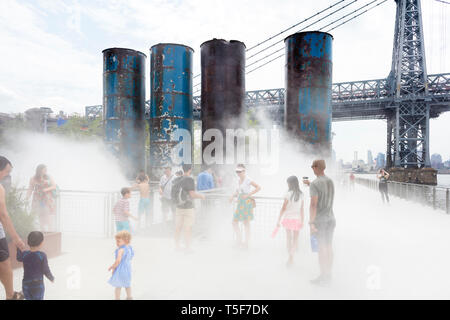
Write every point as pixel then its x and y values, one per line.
pixel 79 128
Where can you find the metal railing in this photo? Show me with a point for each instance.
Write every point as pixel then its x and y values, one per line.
pixel 432 196
pixel 90 213
pixel 217 211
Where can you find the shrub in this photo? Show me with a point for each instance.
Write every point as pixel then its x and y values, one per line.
pixel 16 204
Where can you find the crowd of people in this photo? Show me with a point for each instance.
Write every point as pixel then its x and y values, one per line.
pixel 177 192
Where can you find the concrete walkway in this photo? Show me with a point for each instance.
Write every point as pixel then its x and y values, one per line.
pixel 381 252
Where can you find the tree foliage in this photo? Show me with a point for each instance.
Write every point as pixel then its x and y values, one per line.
pixel 79 128
pixel 16 204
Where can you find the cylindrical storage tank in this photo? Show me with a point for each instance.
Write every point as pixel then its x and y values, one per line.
pixel 308 75
pixel 223 87
pixel 124 107
pixel 171 103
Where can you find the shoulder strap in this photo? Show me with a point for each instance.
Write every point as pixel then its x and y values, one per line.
pixel 168 179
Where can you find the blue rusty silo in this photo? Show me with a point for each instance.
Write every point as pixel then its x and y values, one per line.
pixel 308 75
pixel 124 107
pixel 171 100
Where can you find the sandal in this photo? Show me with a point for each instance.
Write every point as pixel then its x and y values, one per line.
pixel 17 296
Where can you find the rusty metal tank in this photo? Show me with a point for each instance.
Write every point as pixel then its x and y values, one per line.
pixel 124 107
pixel 222 86
pixel 171 101
pixel 308 74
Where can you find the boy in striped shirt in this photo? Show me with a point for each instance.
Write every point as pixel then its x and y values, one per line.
pixel 122 211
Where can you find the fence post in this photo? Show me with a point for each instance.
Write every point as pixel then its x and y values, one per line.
pixel 447 200
pixel 105 214
pixel 434 198
pixel 58 212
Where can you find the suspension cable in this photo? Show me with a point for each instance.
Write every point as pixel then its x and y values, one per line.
pixel 309 18
pixel 282 48
pixel 326 31
pixel 280 33
pixel 311 24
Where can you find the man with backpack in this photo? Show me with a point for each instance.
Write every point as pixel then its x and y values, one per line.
pixel 183 193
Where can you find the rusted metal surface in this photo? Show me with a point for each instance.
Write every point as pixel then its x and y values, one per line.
pixel 308 89
pixel 124 106
pixel 223 85
pixel 171 100
pixel 426 176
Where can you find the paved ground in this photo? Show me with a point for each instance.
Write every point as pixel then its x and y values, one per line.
pixel 396 251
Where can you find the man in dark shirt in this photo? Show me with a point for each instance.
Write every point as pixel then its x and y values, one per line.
pixel 35 266
pixel 185 214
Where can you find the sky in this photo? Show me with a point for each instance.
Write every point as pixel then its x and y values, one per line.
pixel 52 50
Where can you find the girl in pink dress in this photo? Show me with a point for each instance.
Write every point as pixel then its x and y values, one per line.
pixel 292 213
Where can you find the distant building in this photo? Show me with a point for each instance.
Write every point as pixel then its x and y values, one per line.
pixel 369 159
pixel 447 164
pixel 436 161
pixel 38 119
pixel 380 160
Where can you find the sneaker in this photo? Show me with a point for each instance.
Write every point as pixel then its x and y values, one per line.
pixel 322 280
pixel 17 296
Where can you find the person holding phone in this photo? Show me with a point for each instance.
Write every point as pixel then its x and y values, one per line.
pixel 383 176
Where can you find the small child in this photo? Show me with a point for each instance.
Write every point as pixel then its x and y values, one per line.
pixel 122 211
pixel 35 266
pixel 121 277
pixel 142 184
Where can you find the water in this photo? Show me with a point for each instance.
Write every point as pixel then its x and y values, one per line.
pixel 443 180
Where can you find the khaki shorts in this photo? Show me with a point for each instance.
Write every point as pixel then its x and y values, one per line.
pixel 185 217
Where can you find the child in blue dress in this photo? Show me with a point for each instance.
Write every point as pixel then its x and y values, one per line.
pixel 121 277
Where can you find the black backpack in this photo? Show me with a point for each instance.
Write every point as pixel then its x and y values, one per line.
pixel 177 194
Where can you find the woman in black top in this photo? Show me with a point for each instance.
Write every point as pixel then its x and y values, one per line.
pixel 383 176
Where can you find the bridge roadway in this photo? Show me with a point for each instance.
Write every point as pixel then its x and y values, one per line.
pixel 356 100
pixel 391 252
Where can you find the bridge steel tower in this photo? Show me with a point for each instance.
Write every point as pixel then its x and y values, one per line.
pixel 408 123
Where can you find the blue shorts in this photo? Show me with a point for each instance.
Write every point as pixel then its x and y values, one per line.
pixel 123 225
pixel 144 206
pixel 33 289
